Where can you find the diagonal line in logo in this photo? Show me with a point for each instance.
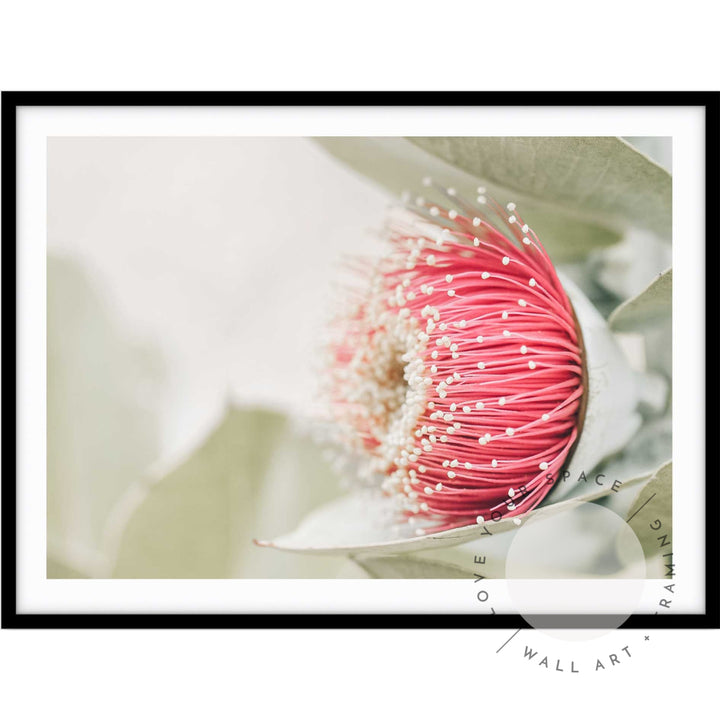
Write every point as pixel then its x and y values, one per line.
pixel 641 507
pixel 508 640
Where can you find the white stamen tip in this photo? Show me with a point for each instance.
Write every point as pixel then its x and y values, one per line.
pixel 506 260
pixel 479 519
pixel 543 466
pixel 545 417
pixel 510 432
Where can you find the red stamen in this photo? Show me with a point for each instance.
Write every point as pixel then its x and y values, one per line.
pixel 460 372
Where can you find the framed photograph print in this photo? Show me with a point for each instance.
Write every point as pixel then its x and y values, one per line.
pixel 357 360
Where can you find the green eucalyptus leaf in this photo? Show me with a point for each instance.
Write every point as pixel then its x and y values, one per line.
pixel 649 314
pixel 253 472
pixel 409 567
pixel 398 165
pixel 650 515
pixel 603 179
pixel 60 570
pixel 652 304
pixel 658 346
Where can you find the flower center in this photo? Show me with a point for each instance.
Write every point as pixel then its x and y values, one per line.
pixel 386 386
pixel 393 390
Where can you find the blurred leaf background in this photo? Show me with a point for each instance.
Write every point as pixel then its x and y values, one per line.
pixel 189 280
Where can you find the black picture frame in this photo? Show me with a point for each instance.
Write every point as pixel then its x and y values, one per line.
pixel 13 101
